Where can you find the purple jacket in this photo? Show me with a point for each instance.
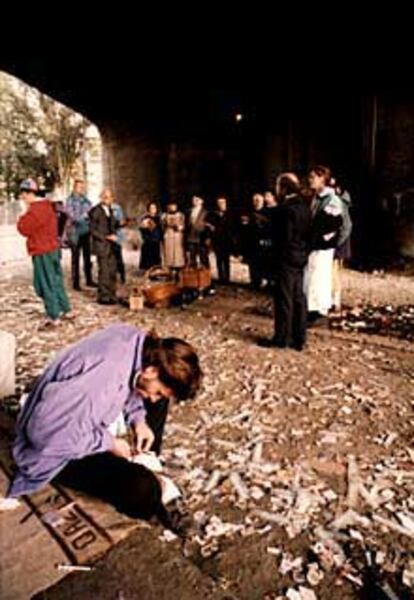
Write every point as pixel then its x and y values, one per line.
pixel 67 414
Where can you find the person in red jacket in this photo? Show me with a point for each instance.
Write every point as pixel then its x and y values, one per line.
pixel 39 225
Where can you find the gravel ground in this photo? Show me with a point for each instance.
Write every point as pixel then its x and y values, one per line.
pixel 298 467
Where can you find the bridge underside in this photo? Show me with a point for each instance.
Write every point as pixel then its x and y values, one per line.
pixel 168 133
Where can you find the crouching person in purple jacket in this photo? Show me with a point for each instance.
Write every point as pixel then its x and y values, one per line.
pixel 62 431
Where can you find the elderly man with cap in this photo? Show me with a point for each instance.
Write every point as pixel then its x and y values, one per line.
pixel 38 224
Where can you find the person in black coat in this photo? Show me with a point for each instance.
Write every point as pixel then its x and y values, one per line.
pixel 291 232
pixel 222 238
pixel 257 256
pixel 198 232
pixel 269 212
pixel 103 227
pixel 151 231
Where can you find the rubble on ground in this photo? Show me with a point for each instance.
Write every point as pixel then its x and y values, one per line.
pixel 280 446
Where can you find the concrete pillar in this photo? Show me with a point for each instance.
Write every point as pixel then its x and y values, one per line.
pixel 132 166
pixel 7 364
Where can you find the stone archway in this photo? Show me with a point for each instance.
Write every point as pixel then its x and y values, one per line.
pixel 35 133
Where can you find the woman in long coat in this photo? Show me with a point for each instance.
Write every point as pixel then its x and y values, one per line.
pixel 173 224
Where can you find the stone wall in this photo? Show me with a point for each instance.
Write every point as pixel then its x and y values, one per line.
pixel 132 167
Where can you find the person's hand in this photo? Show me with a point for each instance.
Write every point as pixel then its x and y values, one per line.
pixel 145 437
pixel 121 448
pixel 112 237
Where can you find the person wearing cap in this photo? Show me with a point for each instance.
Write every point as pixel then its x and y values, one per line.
pixel 38 224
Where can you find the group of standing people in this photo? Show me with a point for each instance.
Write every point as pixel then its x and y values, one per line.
pixel 86 230
pixel 176 238
pixel 309 228
pixel 95 230
pixel 293 241
pixel 256 239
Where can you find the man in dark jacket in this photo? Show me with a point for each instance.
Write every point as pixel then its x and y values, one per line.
pixel 103 232
pixel 291 230
pixel 197 234
pixel 270 211
pixel 222 238
pixel 257 260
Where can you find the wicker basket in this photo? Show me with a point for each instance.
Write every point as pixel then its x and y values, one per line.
pixel 160 292
pixel 195 278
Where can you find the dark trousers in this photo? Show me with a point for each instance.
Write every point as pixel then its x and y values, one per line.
pixel 132 489
pixel 290 307
pixel 256 270
pixel 150 255
pixel 257 262
pixel 268 262
pixel 107 276
pixel 120 267
pixel 223 265
pixel 200 250
pixel 83 246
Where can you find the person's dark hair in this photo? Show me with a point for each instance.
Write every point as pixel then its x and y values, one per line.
pixel 322 171
pixel 177 363
pixel 152 203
